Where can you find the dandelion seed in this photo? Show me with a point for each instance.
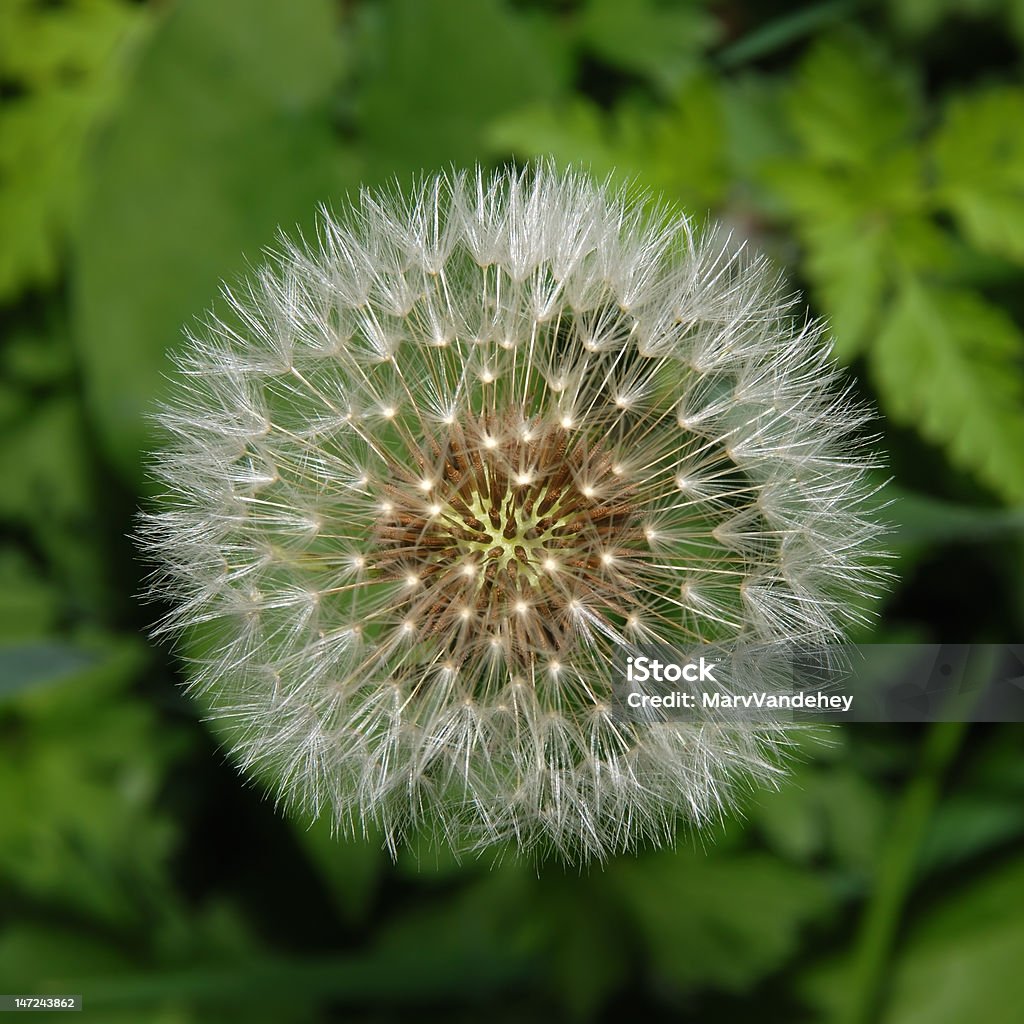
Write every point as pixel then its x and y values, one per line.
pixel 574 421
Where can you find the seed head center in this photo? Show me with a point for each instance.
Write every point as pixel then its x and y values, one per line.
pixel 511 533
pixel 512 536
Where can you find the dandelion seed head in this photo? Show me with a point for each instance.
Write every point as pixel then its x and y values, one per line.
pixel 466 447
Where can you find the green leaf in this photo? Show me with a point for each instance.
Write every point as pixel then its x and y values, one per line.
pixel 860 226
pixel 38 358
pixel 918 17
pixel 683 150
pixel 948 363
pixel 923 520
pixel 583 950
pixel 921 17
pixel 44 465
pixel 30 953
pixel 680 149
pixel 81 769
pixel 962 961
pixel 722 920
pixel 434 75
pixel 845 258
pixel 350 866
pixel 225 135
pixel 62 66
pixel 855 184
pixel 49 492
pixel 660 40
pixel 1016 18
pixel 968 826
pixel 58 958
pixel 574 132
pixel 849 105
pixel 30 605
pixel 979 155
pixel 90 662
pixel 756 132
pixel 471 945
pixel 823 808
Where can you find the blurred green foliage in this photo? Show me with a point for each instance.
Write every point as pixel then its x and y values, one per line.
pixel 148 150
pixel 61 68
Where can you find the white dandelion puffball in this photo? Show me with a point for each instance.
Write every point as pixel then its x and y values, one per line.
pixel 435 472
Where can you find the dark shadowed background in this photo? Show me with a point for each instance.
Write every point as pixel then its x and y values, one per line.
pixel 148 150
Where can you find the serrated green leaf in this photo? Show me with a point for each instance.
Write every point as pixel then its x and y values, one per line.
pixel 849 105
pixel 680 149
pixel 855 184
pixel 979 155
pixel 686 147
pixel 949 363
pixel 860 227
pixel 225 135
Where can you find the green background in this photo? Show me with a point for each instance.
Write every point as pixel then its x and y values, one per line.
pixel 149 150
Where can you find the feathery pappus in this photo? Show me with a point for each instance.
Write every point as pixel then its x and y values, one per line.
pixel 439 467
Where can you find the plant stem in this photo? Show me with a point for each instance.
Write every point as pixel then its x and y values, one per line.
pixel 885 908
pixel 893 882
